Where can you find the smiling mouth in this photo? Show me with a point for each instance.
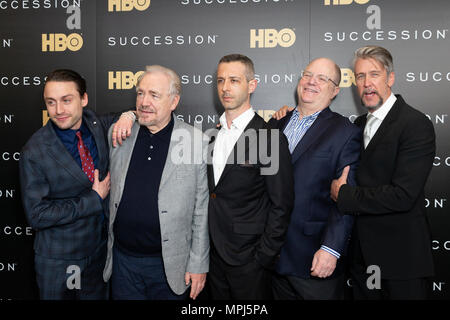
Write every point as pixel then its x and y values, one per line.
pixel 310 90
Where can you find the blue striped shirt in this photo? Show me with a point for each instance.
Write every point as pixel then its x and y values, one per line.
pixel 296 129
pixel 294 132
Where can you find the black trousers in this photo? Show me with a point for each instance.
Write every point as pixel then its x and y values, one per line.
pixel 294 288
pixel 250 281
pixel 389 289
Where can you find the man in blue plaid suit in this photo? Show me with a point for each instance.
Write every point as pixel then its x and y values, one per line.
pixel 66 208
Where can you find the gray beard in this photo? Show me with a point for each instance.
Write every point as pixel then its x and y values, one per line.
pixel 373 108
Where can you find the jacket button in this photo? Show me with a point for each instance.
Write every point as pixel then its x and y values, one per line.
pixel 213 195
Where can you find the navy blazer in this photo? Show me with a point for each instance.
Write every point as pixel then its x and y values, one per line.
pixel 58 199
pixel 330 144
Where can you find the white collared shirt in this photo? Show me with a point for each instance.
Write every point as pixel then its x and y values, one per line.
pixel 381 113
pixel 227 138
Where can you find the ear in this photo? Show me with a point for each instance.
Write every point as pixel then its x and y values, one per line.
pixel 175 100
pixel 391 79
pixel 252 84
pixel 84 100
pixel 335 92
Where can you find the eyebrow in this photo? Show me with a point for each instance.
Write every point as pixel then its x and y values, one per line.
pixel 63 97
pixel 230 77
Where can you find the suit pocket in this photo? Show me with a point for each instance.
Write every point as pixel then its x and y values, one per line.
pixel 248 228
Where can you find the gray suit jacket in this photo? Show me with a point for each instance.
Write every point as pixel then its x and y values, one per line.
pixel 182 201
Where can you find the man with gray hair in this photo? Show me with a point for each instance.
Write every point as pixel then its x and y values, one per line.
pixel 158 245
pixel 391 235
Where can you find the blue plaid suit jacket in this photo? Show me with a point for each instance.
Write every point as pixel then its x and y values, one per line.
pixel 58 199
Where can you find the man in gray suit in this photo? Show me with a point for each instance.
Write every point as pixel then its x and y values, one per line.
pixel 158 240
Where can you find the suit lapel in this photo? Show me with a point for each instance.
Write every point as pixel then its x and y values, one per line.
pixel 317 129
pixel 210 169
pixel 97 133
pixel 59 153
pixel 391 117
pixel 235 158
pixel 169 166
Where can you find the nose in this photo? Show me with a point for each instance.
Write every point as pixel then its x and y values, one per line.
pixel 59 108
pixel 312 80
pixel 146 100
pixel 226 85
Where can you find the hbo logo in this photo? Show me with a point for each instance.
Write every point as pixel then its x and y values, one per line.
pixel 61 42
pixel 128 5
pixel 344 2
pixel 270 38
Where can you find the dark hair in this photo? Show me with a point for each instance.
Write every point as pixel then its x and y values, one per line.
pixel 66 75
pixel 249 67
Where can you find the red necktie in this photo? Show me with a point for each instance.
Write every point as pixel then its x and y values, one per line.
pixel 87 164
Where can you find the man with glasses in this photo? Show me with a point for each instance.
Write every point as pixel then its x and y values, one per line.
pixel 322 143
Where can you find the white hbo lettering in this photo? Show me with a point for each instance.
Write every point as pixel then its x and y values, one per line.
pixel 168 40
pixel 438 161
pixel 6 118
pixel 18 231
pixel 198 118
pixel 38 4
pixel 5 43
pixel 382 35
pixel 197 79
pixel 428 76
pixel 7 193
pixel 7 156
pixel 270 38
pixel 437 286
pixel 436 245
pixel 435 203
pixel 7 266
pixel 24 80
pixel 437 118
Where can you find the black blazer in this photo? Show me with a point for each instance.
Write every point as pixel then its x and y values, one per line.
pixel 391 226
pixel 248 211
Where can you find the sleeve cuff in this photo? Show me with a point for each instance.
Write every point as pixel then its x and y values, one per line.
pixel 331 251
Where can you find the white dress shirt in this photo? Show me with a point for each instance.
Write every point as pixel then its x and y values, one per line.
pixel 379 116
pixel 227 138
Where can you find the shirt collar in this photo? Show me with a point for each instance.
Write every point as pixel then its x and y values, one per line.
pixel 240 122
pixel 164 134
pixel 382 111
pixel 309 117
pixel 69 135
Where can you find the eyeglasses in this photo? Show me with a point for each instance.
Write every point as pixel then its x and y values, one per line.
pixel 321 78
